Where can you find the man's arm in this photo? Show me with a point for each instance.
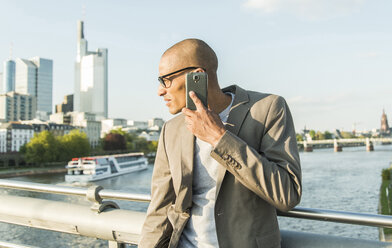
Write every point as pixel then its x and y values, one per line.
pixel 157 229
pixel 273 170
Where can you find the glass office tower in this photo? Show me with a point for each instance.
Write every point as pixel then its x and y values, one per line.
pixel 91 78
pixel 8 76
pixel 35 77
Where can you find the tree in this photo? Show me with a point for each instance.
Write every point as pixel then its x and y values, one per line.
pixel 312 134
pixel 43 147
pixel 74 144
pixel 327 135
pixel 119 131
pixel 141 145
pixel 114 141
pixel 130 139
pixel 152 146
pixel 299 137
pixel 347 135
pixel 319 136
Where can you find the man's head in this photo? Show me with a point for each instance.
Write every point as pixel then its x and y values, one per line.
pixel 187 53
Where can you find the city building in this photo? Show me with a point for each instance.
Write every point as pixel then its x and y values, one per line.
pixel 155 124
pixel 55 128
pixel 137 125
pixel 384 130
pixel 110 124
pixel 1 83
pixel 150 136
pixel 86 122
pixel 8 76
pixel 15 107
pixel 66 106
pixel 91 78
pixel 13 136
pixel 35 77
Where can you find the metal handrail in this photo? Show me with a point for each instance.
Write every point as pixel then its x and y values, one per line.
pixel 298 212
pixel 12 245
pixel 340 217
pixel 66 190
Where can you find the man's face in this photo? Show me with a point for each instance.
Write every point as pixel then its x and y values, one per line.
pixel 174 95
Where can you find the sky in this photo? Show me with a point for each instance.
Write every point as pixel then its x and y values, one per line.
pixel 330 59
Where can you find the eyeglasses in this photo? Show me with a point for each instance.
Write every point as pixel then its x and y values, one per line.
pixel 168 83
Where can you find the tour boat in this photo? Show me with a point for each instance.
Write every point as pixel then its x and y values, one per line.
pixel 95 168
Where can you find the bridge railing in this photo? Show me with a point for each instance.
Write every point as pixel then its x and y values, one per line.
pixel 104 220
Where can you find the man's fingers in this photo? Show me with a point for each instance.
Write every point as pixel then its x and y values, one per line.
pixel 187 111
pixel 199 105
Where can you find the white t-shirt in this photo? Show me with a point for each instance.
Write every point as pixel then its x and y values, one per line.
pixel 200 230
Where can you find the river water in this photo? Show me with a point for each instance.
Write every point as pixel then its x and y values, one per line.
pixel 348 181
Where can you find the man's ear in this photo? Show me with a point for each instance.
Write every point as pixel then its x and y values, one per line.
pixel 200 70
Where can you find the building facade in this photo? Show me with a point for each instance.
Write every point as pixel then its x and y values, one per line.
pixel 16 107
pixel 1 83
pixel 91 78
pixel 155 123
pixel 35 77
pixel 150 136
pixel 55 128
pixel 84 121
pixel 13 136
pixel 137 125
pixel 66 106
pixel 8 76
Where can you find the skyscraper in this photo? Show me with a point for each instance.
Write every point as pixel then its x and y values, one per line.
pixel 91 78
pixel 44 84
pixel 1 83
pixel 35 77
pixel 8 76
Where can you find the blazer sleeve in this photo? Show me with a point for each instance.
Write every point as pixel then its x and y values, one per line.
pixel 272 170
pixel 157 229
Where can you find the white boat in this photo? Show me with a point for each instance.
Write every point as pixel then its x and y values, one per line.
pixel 95 168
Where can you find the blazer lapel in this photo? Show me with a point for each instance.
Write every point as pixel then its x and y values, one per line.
pixel 237 115
pixel 187 150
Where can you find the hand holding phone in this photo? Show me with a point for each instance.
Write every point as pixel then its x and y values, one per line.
pixel 198 83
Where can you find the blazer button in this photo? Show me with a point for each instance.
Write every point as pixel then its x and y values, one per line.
pixel 225 156
pixel 237 166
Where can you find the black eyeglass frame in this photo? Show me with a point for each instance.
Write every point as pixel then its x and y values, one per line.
pixel 161 78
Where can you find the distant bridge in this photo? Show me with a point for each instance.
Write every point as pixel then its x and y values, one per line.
pixel 338 144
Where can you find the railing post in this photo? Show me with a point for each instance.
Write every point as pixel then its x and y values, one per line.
pixel 114 244
pixel 336 146
pixel 308 147
pixel 369 145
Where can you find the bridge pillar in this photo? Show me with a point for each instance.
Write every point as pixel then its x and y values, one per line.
pixel 336 146
pixel 369 145
pixel 308 147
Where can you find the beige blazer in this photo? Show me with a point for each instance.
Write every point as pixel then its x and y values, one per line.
pixel 260 173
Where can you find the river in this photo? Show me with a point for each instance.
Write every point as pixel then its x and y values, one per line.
pixel 348 181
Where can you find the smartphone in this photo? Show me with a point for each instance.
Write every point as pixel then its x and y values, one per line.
pixel 198 83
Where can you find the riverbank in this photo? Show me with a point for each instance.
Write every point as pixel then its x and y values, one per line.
pixel 28 171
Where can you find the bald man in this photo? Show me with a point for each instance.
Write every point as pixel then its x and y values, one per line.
pixel 221 171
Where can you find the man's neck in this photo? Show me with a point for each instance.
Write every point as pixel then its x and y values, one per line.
pixel 219 101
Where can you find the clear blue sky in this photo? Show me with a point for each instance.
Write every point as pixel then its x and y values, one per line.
pixel 330 59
